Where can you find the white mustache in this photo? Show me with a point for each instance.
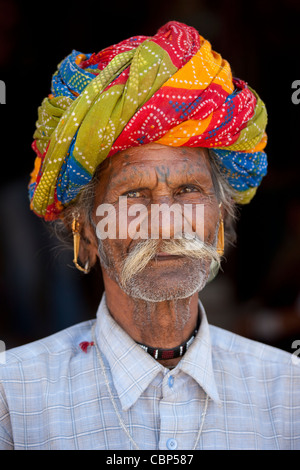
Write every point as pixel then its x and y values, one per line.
pixel 189 246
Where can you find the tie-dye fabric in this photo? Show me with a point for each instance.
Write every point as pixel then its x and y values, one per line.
pixel 171 88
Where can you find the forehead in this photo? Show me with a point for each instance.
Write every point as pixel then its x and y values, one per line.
pixel 152 155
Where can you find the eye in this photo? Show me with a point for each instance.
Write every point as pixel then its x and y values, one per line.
pixel 133 194
pixel 188 189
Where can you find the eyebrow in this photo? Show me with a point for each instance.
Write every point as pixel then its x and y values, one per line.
pixel 138 179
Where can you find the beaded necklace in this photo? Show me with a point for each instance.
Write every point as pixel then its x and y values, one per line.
pixel 179 351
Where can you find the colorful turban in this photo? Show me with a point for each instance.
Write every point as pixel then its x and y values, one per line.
pixel 171 89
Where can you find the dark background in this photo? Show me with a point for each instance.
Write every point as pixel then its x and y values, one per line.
pixel 258 293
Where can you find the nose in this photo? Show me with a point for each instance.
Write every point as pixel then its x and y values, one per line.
pixel 166 220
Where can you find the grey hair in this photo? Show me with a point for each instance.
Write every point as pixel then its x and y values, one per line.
pixel 84 203
pixel 225 195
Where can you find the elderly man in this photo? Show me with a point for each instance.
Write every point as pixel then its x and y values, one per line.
pixel 152 122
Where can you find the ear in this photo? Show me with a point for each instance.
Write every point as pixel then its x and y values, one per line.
pixel 85 244
pixel 88 247
pixel 229 218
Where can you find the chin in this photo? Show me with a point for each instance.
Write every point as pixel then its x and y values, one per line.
pixel 170 285
pixel 159 295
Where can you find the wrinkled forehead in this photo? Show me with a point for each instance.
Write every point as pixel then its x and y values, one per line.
pixel 151 165
pixel 153 155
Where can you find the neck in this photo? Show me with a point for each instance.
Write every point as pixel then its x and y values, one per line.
pixel 163 325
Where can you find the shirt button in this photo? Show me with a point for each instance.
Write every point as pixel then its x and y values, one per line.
pixel 171 381
pixel 172 444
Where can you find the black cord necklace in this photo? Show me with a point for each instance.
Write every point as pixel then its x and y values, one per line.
pixel 178 351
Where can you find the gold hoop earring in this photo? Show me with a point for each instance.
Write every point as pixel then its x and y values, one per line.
pixel 220 243
pixel 76 244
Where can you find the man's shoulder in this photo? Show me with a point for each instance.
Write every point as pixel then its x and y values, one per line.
pixel 234 345
pixel 64 343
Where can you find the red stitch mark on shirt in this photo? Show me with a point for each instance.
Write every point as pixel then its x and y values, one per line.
pixel 85 345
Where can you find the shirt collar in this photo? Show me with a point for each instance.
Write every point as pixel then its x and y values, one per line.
pixel 133 369
pixel 197 361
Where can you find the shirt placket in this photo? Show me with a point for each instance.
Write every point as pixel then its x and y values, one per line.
pixel 169 414
pixel 181 412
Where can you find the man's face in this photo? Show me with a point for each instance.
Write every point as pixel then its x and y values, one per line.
pixel 151 175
